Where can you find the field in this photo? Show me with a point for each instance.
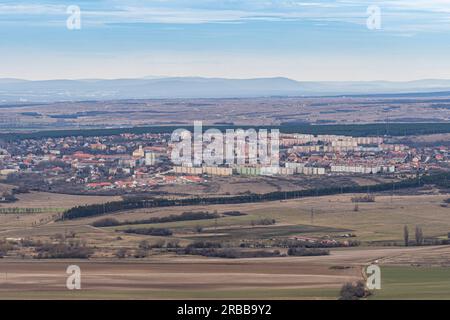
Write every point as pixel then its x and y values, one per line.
pixel 414 283
pixel 199 278
pixel 373 223
pixel 407 272
pixel 257 111
pixel 382 220
pixel 176 278
pixel 235 185
pixel 54 200
pixel 49 205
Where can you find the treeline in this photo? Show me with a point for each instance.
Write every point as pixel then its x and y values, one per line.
pixel 307 252
pixel 375 129
pixel 5 246
pixel 439 179
pixel 295 244
pixel 229 253
pixel 15 210
pixel 365 198
pixel 161 232
pixel 214 249
pixel 234 213
pixel 185 216
pixel 263 222
pixel 62 250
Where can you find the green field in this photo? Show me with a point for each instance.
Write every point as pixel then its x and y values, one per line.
pixel 414 283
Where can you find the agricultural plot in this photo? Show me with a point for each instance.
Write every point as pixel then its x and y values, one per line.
pixel 401 282
pixel 164 274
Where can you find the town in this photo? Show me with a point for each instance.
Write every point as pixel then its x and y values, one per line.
pixel 130 162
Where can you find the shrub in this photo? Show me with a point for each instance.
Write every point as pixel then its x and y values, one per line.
pixel 234 213
pixel 141 253
pixel 350 291
pixel 366 198
pixel 144 245
pixel 158 244
pixel 27 242
pixel 185 216
pixel 308 252
pixel 263 222
pixel 229 253
pixel 72 250
pixel 204 244
pixel 150 231
pixel 173 244
pixel 121 253
pixel 4 248
pixel 106 222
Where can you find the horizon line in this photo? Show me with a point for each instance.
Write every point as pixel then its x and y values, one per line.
pixel 209 77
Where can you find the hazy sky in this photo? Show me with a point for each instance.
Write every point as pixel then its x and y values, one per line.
pixel 303 40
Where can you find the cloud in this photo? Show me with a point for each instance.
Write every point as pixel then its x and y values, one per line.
pixel 399 15
pixel 31 9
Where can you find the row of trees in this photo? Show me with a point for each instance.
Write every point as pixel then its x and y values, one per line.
pixel 161 232
pixel 396 129
pixel 185 216
pixel 419 238
pixel 229 253
pixel 304 252
pixel 17 210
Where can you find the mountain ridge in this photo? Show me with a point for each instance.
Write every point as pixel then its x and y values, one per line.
pixel 21 90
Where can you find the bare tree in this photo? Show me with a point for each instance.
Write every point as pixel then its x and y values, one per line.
pixel 406 235
pixel 419 236
pixel 121 253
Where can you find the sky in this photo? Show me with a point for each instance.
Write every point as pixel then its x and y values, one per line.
pixel 316 40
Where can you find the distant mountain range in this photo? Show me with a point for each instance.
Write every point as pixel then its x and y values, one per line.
pixel 17 90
